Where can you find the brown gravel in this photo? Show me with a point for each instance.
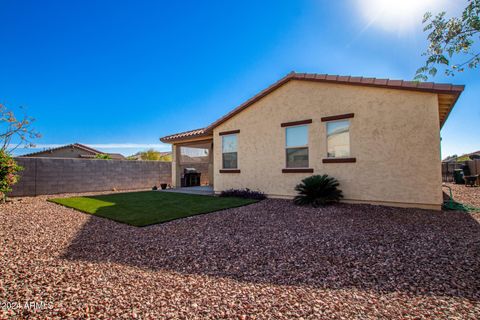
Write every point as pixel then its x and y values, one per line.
pixel 465 195
pixel 267 260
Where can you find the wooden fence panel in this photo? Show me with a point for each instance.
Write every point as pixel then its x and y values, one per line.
pixel 447 170
pixel 449 167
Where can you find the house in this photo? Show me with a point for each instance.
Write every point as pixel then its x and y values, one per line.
pixel 368 133
pixel 75 150
pixel 463 157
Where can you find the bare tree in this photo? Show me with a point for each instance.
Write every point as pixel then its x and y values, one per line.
pixel 15 132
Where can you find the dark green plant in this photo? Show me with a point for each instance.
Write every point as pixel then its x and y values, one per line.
pixel 243 193
pixel 318 190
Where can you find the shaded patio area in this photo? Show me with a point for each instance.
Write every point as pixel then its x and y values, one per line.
pixel 192 164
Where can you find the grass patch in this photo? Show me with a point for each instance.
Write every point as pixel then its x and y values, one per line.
pixel 149 207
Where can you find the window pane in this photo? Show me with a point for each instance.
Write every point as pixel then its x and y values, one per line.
pixel 338 139
pixel 297 136
pixel 229 143
pixel 297 158
pixel 230 160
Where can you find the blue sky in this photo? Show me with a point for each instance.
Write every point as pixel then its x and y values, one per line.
pixel 117 75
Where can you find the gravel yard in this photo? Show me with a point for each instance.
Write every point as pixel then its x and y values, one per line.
pixel 465 195
pixel 266 260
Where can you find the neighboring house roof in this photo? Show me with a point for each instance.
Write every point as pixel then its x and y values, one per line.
pixel 134 157
pixel 73 145
pixel 454 158
pixel 448 96
pixel 473 153
pixel 116 156
pixel 92 152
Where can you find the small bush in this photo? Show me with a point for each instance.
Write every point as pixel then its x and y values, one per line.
pixel 243 193
pixel 8 174
pixel 318 190
pixel 103 156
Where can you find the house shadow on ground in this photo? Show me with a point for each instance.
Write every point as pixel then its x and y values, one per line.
pixel 384 249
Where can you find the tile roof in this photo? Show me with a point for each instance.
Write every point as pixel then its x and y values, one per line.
pixel 73 145
pixel 448 95
pixel 187 134
pixel 116 156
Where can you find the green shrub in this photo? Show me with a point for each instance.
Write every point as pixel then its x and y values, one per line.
pixel 318 190
pixel 103 156
pixel 8 174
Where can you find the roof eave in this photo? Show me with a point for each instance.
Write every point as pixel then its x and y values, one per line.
pixel 251 101
pixel 346 80
pixel 428 87
pixel 173 139
pixel 457 95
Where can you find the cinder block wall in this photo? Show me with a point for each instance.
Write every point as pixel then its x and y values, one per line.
pixel 56 175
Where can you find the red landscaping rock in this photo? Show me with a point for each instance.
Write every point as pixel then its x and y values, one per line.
pixel 267 260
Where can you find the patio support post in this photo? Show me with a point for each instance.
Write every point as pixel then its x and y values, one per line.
pixel 175 166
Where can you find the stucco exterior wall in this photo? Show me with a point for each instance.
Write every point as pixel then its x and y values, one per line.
pixel 394 136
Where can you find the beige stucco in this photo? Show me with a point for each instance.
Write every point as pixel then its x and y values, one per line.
pixel 394 137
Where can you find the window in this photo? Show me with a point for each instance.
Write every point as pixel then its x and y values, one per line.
pixel 338 139
pixel 229 151
pixel 297 146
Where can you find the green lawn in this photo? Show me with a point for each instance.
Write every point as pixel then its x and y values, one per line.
pixel 149 207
